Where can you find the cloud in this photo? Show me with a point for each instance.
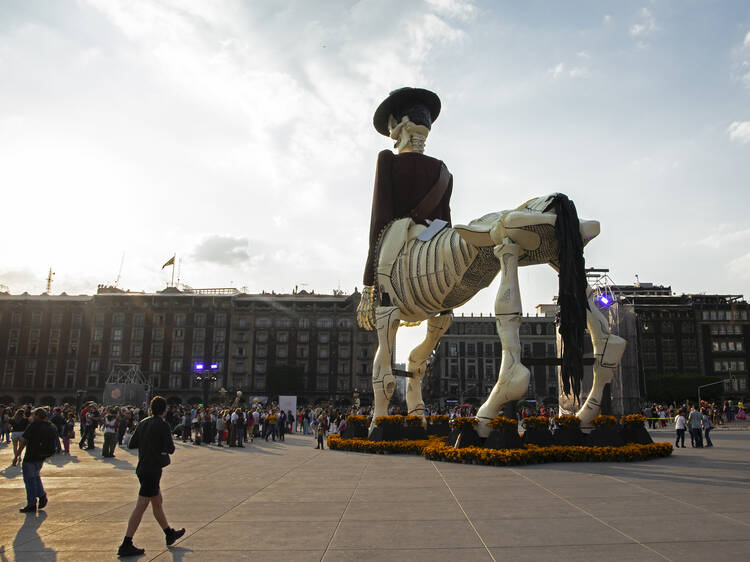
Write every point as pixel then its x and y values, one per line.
pixel 24 279
pixel 726 236
pixel 561 70
pixel 453 8
pixel 741 266
pixel 645 26
pixel 222 250
pixel 739 131
pixel 746 43
pixel 607 19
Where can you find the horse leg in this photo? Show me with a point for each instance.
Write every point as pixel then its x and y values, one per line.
pixel 513 380
pixel 436 327
pixel 608 350
pixel 387 319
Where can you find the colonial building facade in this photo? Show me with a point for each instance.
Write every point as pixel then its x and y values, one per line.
pixel 54 348
pixel 467 361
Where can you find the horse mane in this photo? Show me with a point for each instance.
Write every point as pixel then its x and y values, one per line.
pixel 572 291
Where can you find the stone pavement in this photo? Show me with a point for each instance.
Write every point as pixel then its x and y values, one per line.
pixel 287 501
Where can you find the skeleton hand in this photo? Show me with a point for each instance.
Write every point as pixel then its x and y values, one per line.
pixel 366 308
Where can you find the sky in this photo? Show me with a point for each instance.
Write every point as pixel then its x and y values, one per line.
pixel 239 135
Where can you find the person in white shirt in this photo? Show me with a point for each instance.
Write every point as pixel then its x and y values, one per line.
pixel 680 425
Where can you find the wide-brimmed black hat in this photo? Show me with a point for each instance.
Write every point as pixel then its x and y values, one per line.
pixel 397 99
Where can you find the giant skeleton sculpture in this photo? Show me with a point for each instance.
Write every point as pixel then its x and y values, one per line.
pixel 420 269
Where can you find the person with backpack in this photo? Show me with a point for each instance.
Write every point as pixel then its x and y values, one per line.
pixel 39 440
pixel 153 439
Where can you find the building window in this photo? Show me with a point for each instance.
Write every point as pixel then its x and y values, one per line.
pixel 282 351
pixel 178 349
pixel 199 349
pixel 303 351
pixel 199 334
pixel 323 367
pixel 322 383
pixel 221 320
pixel 139 320
pixel 303 337
pixel 324 337
pixel 323 352
pixel 324 323
pixel 263 322
pixel 199 320
pixel 13 342
pixel 344 323
pixel 345 337
pixel 116 334
pixel 282 337
pixel 176 365
pixel 219 334
pixel 138 334
pixel 158 334
pixel 175 382
pixel 136 349
pixel 304 323
pixel 178 334
pixel 261 351
pixel 157 349
pixel 36 319
pixel 345 352
pixel 159 320
pixel 344 368
pixel 260 382
pixel 343 384
pixel 92 381
pixel 99 318
pixel 179 319
pixel 16 319
pixel 218 349
pixel 118 318
pixel 261 337
pixel 116 349
pixel 156 365
pixel 284 322
pixel 260 366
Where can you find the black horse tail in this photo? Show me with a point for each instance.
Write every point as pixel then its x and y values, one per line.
pixel 572 292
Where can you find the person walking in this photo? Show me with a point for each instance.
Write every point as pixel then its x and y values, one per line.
pixel 69 432
pixel 707 427
pixel 108 449
pixel 39 441
pixel 321 429
pixel 18 424
pixel 680 424
pixel 153 439
pixel 695 421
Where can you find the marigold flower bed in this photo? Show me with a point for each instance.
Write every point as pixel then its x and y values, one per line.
pixel 555 453
pixel 434 449
pixel 402 446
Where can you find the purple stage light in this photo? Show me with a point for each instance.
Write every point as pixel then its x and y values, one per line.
pixel 604 300
pixel 199 366
pixel 214 366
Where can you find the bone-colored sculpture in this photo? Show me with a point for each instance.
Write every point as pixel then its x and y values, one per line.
pixel 420 280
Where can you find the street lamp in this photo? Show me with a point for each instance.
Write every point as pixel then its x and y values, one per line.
pixel 205 374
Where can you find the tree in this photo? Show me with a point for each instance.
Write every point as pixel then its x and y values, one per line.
pixel 284 380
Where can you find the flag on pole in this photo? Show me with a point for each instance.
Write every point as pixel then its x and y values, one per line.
pixel 169 262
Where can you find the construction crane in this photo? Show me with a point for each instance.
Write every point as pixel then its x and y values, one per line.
pixel 50 275
pixel 119 273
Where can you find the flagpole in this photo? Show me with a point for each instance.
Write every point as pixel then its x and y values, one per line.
pixel 173 260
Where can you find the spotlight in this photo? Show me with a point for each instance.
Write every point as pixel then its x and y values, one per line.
pixel 214 366
pixel 604 301
pixel 199 366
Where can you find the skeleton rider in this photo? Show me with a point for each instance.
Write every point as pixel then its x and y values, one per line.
pixel 407 184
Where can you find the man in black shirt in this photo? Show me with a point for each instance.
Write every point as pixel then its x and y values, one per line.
pixel 153 439
pixel 39 441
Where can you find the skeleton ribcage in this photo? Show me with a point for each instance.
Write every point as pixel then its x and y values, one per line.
pixel 440 274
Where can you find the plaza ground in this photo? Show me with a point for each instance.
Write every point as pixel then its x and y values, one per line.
pixel 288 501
